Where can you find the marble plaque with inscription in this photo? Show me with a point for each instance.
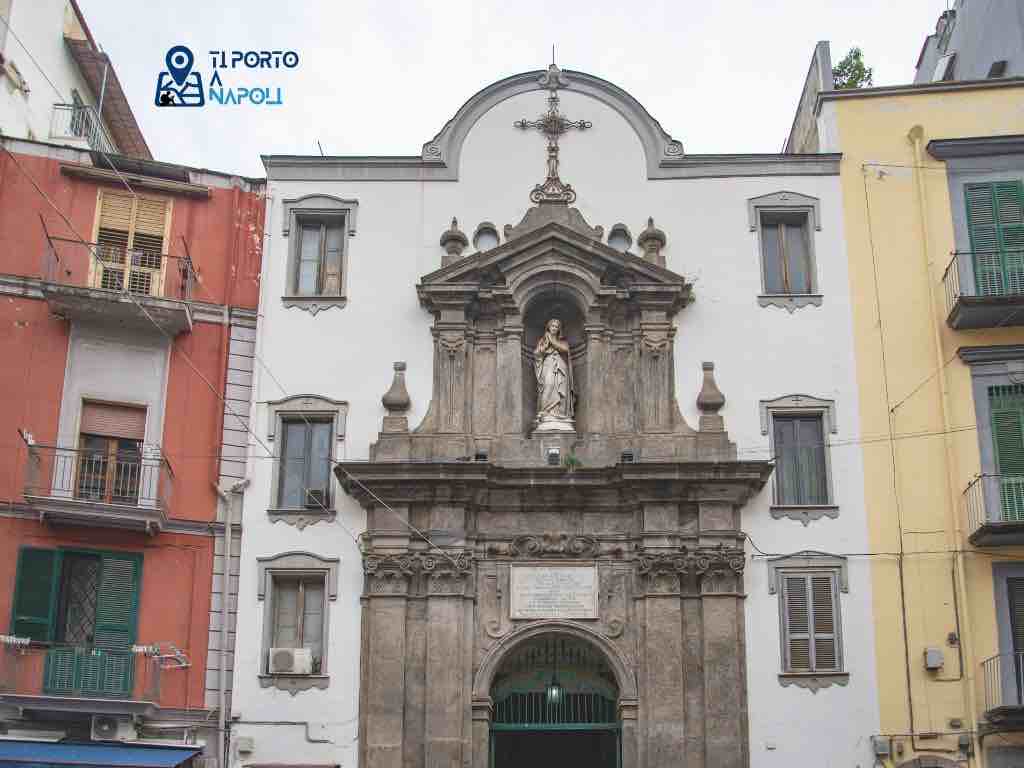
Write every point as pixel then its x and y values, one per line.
pixel 554 592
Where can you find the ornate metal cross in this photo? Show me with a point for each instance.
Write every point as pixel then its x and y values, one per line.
pixel 553 124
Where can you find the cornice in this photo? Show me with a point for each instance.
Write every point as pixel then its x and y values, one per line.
pixel 917 89
pixel 440 156
pixel 976 146
pixel 994 354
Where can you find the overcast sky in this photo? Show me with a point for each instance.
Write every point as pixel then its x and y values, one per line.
pixel 383 77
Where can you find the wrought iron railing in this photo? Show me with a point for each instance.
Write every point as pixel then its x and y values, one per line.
pixel 994 499
pixel 80 122
pixel 122 270
pixel 951 283
pixel 142 478
pixel 56 669
pixel 1003 676
pixel 535 708
pixel 996 274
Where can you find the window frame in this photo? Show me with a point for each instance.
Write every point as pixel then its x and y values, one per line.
pixel 312 408
pixel 326 210
pixel 95 269
pixel 797 405
pixel 307 422
pixel 993 366
pixel 783 204
pixel 809 564
pixel 289 565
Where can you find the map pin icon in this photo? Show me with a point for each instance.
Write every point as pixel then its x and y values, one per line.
pixel 179 63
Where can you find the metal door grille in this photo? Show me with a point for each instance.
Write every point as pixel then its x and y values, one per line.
pixel 529 709
pixel 80 584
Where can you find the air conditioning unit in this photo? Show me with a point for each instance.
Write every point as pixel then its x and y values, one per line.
pixel 316 498
pixel 291 661
pixel 107 728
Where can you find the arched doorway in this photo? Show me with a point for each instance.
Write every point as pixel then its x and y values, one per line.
pixel 555 703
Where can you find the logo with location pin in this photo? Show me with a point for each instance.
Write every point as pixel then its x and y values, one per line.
pixel 179 86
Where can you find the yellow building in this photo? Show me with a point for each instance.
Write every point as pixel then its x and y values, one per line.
pixel 934 219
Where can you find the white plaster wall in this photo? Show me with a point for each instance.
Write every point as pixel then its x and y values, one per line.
pixel 760 353
pixel 119 366
pixel 39 24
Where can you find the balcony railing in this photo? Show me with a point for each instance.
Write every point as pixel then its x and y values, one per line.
pixel 122 489
pixel 993 297
pixel 122 270
pixel 80 122
pixel 995 510
pixel 1003 676
pixel 79 672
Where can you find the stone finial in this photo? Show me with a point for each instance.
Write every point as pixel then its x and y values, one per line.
pixel 454 242
pixel 396 401
pixel 710 402
pixel 651 241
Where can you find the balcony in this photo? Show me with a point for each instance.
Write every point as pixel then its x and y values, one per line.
pixel 127 287
pixel 80 678
pixel 1003 676
pixel 80 124
pixel 984 289
pixel 120 490
pixel 995 510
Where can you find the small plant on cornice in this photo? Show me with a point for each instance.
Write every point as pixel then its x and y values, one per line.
pixel 571 462
pixel 851 72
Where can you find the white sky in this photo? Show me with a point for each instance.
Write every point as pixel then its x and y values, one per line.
pixel 381 78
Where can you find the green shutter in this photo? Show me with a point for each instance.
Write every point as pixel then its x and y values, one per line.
pixel 995 222
pixel 117 605
pixel 35 593
pixel 108 670
pixel 1007 408
pixel 1015 594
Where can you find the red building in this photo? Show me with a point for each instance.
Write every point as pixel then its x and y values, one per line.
pixel 128 295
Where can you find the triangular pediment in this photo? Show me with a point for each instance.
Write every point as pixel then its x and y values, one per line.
pixel 562 252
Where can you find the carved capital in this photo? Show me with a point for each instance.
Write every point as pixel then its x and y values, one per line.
pixel 391 574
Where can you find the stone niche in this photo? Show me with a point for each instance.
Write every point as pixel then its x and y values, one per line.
pixel 649 508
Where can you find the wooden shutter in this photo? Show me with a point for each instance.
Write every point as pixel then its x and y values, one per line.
pixel 1010 221
pixel 1006 404
pixel 111 420
pixel 796 632
pixel 811 637
pixel 995 221
pixel 1015 596
pixel 286 613
pixel 826 638
pixel 35 593
pixel 117 604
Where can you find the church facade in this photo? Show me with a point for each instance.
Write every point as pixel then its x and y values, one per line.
pixel 556 453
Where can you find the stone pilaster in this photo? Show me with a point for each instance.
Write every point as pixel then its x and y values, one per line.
pixel 510 383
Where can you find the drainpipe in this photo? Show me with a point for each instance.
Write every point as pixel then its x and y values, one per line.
pixel 229 514
pixel 916 136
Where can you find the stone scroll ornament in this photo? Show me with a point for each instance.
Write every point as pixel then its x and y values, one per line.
pixel 665 570
pixel 555 407
pixel 391 573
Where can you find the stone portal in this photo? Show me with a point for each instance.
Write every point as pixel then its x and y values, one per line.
pixel 611 546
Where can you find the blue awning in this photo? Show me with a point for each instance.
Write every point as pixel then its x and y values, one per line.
pixel 32 754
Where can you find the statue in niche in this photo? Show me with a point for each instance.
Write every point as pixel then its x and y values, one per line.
pixel 554 380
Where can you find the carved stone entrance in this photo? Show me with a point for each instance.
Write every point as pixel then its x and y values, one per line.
pixel 555 702
pixel 627 544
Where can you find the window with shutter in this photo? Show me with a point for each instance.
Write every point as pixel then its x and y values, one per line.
pixel 1006 405
pixel 801 474
pixel 88 602
pixel 810 623
pixel 995 222
pixel 35 594
pixel 110 453
pixel 130 243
